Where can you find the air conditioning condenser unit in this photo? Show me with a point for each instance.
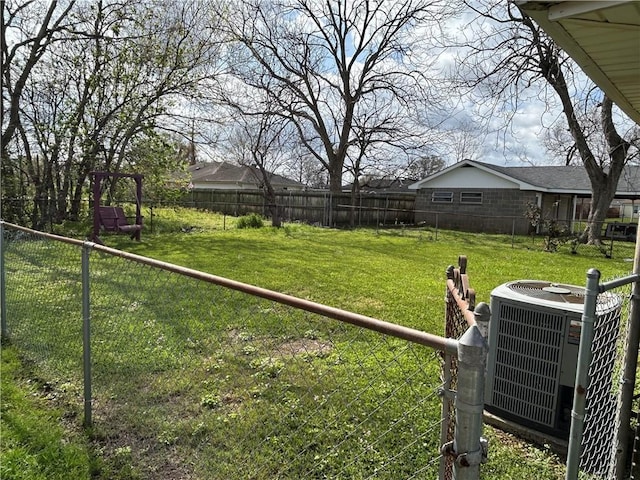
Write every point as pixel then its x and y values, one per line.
pixel 534 336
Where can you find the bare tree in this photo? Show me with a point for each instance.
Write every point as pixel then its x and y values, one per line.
pixel 302 167
pixel 424 166
pixel 261 143
pixel 507 54
pixel 464 141
pixel 328 64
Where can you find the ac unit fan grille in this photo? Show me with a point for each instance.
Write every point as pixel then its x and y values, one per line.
pixel 550 291
pixel 528 352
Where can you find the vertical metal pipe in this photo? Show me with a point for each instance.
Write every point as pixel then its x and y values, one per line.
pixel 4 333
pixel 138 180
pixel 97 181
pixel 628 379
pixel 86 333
pixel 582 375
pixel 446 395
pixel 468 446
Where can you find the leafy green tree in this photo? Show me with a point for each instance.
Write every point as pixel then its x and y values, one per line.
pixel 122 71
pixel 163 160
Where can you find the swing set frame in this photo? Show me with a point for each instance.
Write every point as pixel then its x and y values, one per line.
pixel 112 218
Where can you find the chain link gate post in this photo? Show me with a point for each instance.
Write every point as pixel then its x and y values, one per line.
pixel 628 376
pixel 582 375
pixel 469 448
pixel 86 333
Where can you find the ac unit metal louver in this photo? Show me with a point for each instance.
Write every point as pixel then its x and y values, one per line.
pixel 534 336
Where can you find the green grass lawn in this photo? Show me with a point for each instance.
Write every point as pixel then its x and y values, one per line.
pixel 393 274
pixel 231 380
pixel 35 441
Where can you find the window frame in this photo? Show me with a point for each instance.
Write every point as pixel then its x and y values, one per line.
pixel 439 196
pixel 473 198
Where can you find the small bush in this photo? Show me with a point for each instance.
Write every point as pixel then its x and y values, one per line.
pixel 267 367
pixel 211 400
pixel 250 221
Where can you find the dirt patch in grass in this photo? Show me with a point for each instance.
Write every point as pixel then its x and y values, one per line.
pixel 304 346
pixel 128 453
pixel 289 347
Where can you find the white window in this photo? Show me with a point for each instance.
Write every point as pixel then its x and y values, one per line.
pixel 470 197
pixel 442 197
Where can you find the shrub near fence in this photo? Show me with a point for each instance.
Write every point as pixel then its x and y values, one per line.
pixel 187 375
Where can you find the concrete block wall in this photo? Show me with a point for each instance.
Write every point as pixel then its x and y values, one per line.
pixel 501 211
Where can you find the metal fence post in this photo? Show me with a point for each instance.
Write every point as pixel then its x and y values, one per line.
pixel 582 375
pixel 3 297
pixel 446 395
pixel 469 448
pixel 86 332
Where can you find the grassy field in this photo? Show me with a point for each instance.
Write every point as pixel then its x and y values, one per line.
pixel 395 275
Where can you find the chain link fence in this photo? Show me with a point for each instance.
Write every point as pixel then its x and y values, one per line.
pixel 186 375
pixel 600 444
pixel 604 373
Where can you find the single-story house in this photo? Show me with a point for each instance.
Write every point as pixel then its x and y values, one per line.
pixel 629 209
pixel 477 196
pixel 226 176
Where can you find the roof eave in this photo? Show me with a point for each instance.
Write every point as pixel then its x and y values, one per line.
pixel 481 166
pixel 551 24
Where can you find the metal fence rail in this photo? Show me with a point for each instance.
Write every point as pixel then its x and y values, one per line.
pixel 189 375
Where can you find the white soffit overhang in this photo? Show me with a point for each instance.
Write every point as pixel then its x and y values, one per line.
pixel 603 37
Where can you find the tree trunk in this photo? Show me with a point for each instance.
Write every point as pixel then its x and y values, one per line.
pixel 601 199
pixel 274 210
pixel 335 179
pixel 335 188
pixel 353 212
pixel 276 218
pixel 604 183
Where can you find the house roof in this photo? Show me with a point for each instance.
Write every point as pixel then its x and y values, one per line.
pixel 603 37
pixel 223 172
pixel 550 178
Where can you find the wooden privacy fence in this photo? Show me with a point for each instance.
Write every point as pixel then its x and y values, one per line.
pixel 316 207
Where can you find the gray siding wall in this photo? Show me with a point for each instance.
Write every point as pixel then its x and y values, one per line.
pixel 501 210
